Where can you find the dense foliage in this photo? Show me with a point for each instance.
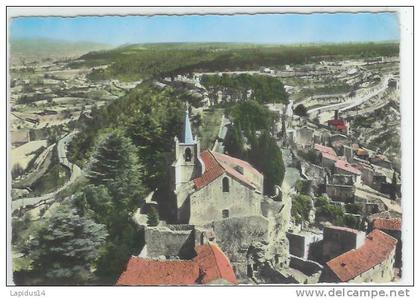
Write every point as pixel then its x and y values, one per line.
pixel 263 89
pixel 300 110
pixel 261 150
pixel 64 248
pixel 136 62
pixel 149 117
pixel 133 136
pixel 335 214
pixel 301 207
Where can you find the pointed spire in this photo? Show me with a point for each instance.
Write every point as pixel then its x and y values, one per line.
pixel 188 137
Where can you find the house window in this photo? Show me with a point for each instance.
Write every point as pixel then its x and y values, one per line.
pixel 188 154
pixel 225 213
pixel 225 183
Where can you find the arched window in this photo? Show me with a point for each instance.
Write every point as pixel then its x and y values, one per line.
pixel 225 184
pixel 188 154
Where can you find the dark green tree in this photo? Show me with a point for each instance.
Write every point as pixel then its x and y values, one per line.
pixel 267 157
pixel 234 145
pixel 393 189
pixel 300 110
pixel 65 247
pixel 115 164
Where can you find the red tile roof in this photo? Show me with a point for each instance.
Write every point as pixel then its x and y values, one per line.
pixel 387 224
pixel 329 156
pixel 376 249
pixel 212 170
pixel 324 149
pixel 337 122
pixel 209 266
pixel 142 271
pixel 213 264
pixel 346 166
pixel 215 164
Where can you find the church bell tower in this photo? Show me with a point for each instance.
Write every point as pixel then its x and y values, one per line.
pixel 187 150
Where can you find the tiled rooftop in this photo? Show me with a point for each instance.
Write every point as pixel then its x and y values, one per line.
pixel 376 249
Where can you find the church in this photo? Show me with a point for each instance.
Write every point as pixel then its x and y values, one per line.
pixel 209 186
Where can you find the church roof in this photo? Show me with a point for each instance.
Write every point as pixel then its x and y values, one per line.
pixel 188 137
pixel 216 164
pixel 376 249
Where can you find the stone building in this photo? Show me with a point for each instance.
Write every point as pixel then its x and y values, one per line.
pixel 338 240
pixel 208 266
pixel 300 243
pixel 392 227
pixel 372 262
pixel 341 187
pixel 304 137
pixel 209 186
pixel 344 167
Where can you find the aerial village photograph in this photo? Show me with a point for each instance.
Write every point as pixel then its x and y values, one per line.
pixel 205 149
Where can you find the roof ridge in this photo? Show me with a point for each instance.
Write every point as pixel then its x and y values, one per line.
pixel 215 259
pixel 220 164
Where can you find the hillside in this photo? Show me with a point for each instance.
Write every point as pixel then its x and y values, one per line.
pixel 32 49
pixel 141 61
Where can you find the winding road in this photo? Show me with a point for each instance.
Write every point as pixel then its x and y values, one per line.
pixel 353 102
pixel 75 171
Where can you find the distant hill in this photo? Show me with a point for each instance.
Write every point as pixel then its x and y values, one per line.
pixel 32 49
pixel 143 61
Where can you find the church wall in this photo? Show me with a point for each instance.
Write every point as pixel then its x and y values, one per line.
pixel 208 203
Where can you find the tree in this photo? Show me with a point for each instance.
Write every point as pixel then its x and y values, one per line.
pixel 300 110
pixel 301 207
pixel 115 164
pixel 393 189
pixel 96 202
pixel 64 248
pixel 234 144
pixel 152 217
pixel 17 171
pixel 268 159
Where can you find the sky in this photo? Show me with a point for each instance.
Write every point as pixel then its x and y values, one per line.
pixel 261 28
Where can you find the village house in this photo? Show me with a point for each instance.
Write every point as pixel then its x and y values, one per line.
pixel 304 137
pixel 209 186
pixel 338 240
pixel 338 124
pixel 392 227
pixel 371 262
pixel 209 266
pixel 300 242
pixel 341 188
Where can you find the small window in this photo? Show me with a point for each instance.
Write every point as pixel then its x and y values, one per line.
pixel 188 154
pixel 225 183
pixel 225 213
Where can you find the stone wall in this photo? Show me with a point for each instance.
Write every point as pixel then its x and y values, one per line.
pixel 304 137
pixel 300 243
pixel 338 240
pixel 211 203
pixel 307 267
pixel 170 241
pixel 343 193
pixel 313 172
pixel 235 235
